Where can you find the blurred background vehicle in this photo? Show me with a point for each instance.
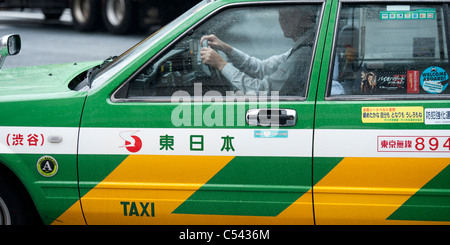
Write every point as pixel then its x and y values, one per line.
pixel 117 16
pixel 52 31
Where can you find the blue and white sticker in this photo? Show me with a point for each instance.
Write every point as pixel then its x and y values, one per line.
pixel 434 80
pixel 271 133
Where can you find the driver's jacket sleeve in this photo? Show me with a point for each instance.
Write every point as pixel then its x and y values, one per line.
pixel 251 74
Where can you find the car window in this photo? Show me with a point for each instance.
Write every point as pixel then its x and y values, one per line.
pixel 390 50
pixel 111 67
pixel 272 48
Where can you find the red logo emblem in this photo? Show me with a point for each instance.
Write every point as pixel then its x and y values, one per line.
pixel 132 142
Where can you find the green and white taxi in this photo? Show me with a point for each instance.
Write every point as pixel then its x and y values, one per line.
pixel 239 112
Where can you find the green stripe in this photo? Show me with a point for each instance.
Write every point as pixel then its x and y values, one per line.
pixel 93 169
pixel 430 203
pixel 252 186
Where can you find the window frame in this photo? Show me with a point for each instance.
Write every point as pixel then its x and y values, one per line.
pixel 124 86
pixel 392 97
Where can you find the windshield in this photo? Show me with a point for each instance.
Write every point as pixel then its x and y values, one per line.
pixel 117 64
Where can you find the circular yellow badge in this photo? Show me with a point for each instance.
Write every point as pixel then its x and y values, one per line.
pixel 47 166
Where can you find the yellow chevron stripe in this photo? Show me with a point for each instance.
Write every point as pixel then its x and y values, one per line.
pixel 168 181
pixel 356 191
pixel 369 190
pixel 72 216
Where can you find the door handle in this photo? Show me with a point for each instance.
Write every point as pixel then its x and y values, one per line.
pixel 271 117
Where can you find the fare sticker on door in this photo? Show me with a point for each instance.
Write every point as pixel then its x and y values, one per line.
pixel 401 114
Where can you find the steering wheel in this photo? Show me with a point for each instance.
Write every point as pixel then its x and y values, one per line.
pixel 205 68
pixel 210 71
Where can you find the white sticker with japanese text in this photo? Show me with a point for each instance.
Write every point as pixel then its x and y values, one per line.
pixel 437 116
pixel 414 144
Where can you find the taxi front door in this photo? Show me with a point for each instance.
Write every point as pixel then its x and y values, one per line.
pixel 206 156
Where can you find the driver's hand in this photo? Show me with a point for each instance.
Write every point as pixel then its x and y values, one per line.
pixel 210 57
pixel 215 43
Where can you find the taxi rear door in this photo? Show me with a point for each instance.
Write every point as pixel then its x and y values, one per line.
pixel 382 133
pixel 174 143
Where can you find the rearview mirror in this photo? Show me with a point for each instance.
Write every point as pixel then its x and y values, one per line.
pixel 9 45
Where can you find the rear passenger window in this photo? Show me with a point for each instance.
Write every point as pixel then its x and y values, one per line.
pixel 399 50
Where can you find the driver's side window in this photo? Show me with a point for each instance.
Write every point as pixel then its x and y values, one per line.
pixel 265 56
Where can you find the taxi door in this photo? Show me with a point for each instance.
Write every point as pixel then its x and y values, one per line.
pixel 382 126
pixel 175 143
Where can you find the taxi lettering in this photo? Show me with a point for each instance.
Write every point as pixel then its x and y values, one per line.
pixel 133 209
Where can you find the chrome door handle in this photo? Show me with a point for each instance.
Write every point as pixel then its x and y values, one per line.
pixel 271 117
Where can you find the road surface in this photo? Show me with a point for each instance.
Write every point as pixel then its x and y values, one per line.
pixel 52 42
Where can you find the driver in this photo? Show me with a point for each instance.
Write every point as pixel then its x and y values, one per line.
pixel 286 73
